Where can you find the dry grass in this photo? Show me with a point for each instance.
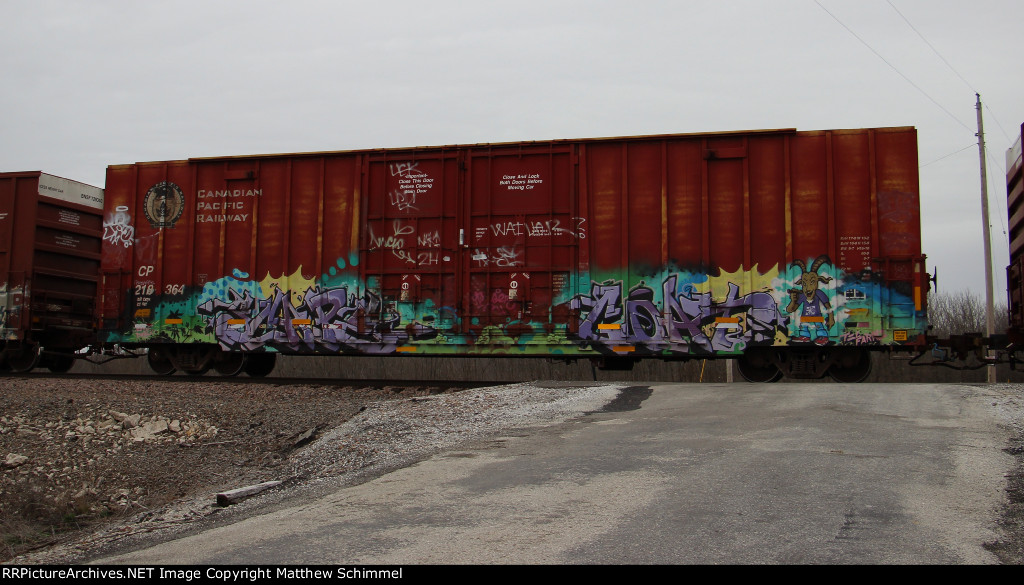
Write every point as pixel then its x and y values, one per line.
pixel 30 519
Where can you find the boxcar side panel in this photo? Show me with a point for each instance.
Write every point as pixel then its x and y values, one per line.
pixel 788 238
pixel 769 229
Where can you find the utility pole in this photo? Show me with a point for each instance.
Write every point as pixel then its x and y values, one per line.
pixel 990 322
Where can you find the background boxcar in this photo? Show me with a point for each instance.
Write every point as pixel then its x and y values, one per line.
pixel 1015 212
pixel 50 238
pixel 794 251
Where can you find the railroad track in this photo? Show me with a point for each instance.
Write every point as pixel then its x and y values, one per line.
pixel 270 380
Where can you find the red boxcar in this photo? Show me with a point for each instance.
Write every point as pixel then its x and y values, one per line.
pixel 795 252
pixel 50 236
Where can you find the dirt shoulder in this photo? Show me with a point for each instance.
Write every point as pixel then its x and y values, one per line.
pixel 75 456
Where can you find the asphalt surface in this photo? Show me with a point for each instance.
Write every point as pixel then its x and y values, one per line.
pixel 673 474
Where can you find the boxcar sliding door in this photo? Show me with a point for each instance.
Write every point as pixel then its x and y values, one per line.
pixel 410 247
pixel 521 233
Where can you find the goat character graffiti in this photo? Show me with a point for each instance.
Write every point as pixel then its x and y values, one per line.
pixel 816 316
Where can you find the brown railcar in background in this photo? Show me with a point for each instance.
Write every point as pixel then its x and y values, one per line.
pixel 50 245
pixel 1015 213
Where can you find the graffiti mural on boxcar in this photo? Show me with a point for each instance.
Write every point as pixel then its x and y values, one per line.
pixel 807 303
pixel 816 317
pixel 667 313
pixel 331 319
pixel 693 321
pixel 269 321
pixel 858 338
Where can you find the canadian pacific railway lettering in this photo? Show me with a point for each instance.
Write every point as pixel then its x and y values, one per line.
pixel 222 217
pixel 221 204
pixel 225 193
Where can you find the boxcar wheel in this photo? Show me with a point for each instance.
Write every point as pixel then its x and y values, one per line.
pixel 230 364
pixel 24 360
pixel 258 365
pixel 757 366
pixel 851 366
pixel 160 363
pixel 59 364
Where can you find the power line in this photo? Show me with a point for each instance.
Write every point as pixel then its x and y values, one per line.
pixel 893 67
pixel 1001 129
pixel 995 161
pixel 1000 185
pixel 968 147
pixel 932 47
pixel 948 64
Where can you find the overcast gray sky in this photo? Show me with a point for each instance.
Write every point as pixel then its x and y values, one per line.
pixel 91 83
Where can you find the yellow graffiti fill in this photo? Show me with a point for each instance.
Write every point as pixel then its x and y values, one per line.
pixel 294 283
pixel 748 281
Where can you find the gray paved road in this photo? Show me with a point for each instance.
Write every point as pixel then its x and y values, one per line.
pixel 781 473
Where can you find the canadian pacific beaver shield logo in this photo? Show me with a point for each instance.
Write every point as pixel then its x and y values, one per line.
pixel 163 204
